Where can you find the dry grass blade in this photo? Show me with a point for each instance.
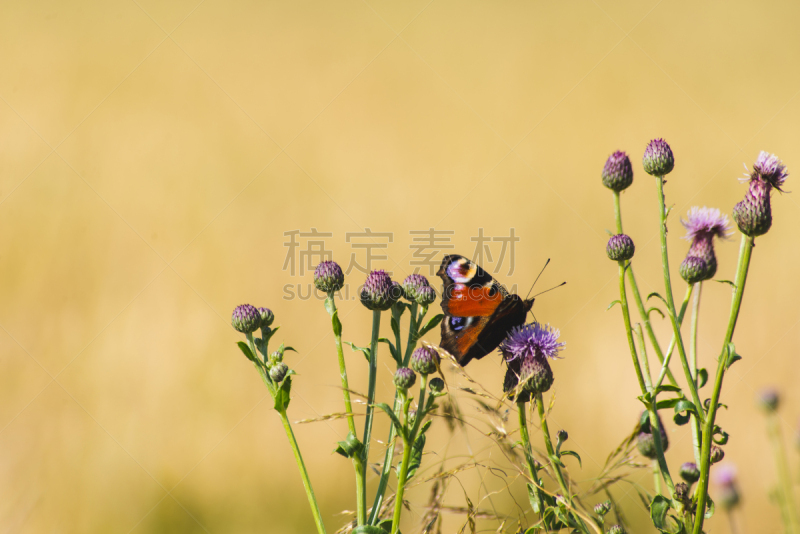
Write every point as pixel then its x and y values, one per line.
pixel 328 417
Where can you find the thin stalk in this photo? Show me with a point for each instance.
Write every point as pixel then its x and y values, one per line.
pixel 671 348
pixel 551 453
pixel 656 478
pixel 701 492
pixel 373 372
pixel 526 447
pixel 653 416
pixel 408 444
pixel 361 501
pixel 637 298
pixel 312 500
pixel 389 456
pixel 696 430
pixel 673 316
pixel 786 492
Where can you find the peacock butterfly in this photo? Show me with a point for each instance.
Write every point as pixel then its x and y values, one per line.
pixel 479 312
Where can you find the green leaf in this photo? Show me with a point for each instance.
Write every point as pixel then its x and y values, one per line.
pixel 392 349
pixel 667 403
pixel 656 294
pixel 683 405
pixel 658 512
pixel 575 454
pixel 364 350
pixel 723 436
pixel 369 529
pixel 532 498
pixel 613 302
pixel 710 508
pixel 386 525
pixel 388 409
pixel 669 387
pixel 268 335
pixel 702 378
pixel 246 350
pixel 657 310
pixel 282 395
pixel 432 323
pixel 732 356
pixel 349 447
pixel 415 460
pixel 336 323
pixel 733 286
pixel 396 327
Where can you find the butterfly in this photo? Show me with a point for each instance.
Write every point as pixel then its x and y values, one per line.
pixel 478 311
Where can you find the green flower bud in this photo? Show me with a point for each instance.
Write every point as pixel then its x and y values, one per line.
pixel 404 378
pixel 328 277
pixel 690 473
pixel 658 159
pixel 618 172
pixel 278 372
pixel 602 508
pixel 616 529
pixel 717 454
pixel 620 248
pixel 436 385
pixel 246 319
pixel 266 317
pixel 425 360
pixel 645 441
pixel 694 269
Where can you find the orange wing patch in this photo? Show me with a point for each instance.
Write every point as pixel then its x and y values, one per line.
pixel 466 301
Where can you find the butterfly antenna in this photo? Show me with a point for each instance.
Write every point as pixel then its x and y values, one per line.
pixel 552 288
pixel 537 278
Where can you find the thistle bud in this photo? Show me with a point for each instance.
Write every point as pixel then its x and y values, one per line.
pixel 617 172
pixel 426 296
pixel 694 269
pixel 620 248
pixel 645 441
pixel 278 372
pixel 379 292
pixel 536 375
pixel 682 492
pixel 436 385
pixel 769 400
pixel 424 360
pixel 616 529
pixel 246 319
pixel 404 378
pixel 562 436
pixel 275 358
pixel 413 288
pixel 266 317
pixel 602 508
pixel 753 215
pixel 328 277
pixel 717 454
pixel 658 159
pixel 690 473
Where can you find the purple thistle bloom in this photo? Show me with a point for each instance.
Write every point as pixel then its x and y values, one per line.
pixel 620 247
pixel 380 292
pixel 753 215
pixel 770 168
pixel 404 378
pixel 706 222
pixel 246 318
pixel 618 172
pixel 532 341
pixel 725 474
pixel 658 159
pixel 425 360
pixel 328 277
pixel 725 478
pixel 702 226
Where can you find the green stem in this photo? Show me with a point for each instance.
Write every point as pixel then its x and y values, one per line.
pixel 373 373
pixel 551 453
pixel 526 446
pixel 312 500
pixel 408 444
pixel 389 456
pixel 637 298
pixel 786 491
pixel 361 500
pixel 676 329
pixel 693 356
pixel 671 348
pixel 701 493
pixel 656 478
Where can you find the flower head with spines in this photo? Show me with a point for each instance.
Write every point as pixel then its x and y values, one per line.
pixel 753 215
pixel 702 226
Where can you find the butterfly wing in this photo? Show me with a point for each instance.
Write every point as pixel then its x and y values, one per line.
pixel 479 312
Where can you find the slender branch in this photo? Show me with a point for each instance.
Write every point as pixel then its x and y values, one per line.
pixel 526 447
pixel 696 430
pixel 373 371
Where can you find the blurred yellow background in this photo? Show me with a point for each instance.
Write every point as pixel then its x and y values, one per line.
pixel 152 155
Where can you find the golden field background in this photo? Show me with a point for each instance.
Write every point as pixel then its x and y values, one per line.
pixel 152 154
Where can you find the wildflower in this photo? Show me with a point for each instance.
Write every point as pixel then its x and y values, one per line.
pixel 278 372
pixel 602 508
pixel 436 385
pixel 276 357
pixel 415 289
pixel 753 215
pixel 620 248
pixel 424 360
pixel 617 172
pixel 426 296
pixel 702 226
pixel 328 277
pixel 526 350
pixel 616 529
pixel 769 399
pixel 717 454
pixel 725 478
pixel 645 441
pixel 379 291
pixel 690 473
pixel 682 492
pixel 246 319
pixel 404 378
pixel 658 159
pixel 266 317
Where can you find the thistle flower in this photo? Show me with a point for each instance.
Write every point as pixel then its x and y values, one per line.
pixel 602 508
pixel 682 492
pixel 278 372
pixel 379 291
pixel 526 350
pixel 436 385
pixel 425 360
pixel 690 473
pixel 717 454
pixel 426 296
pixel 769 399
pixel 702 226
pixel 620 248
pixel 246 318
pixel 658 159
pixel 404 378
pixel 266 317
pixel 328 277
pixel 645 441
pixel 616 529
pixel 415 289
pixel 725 479
pixel 753 215
pixel 618 172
